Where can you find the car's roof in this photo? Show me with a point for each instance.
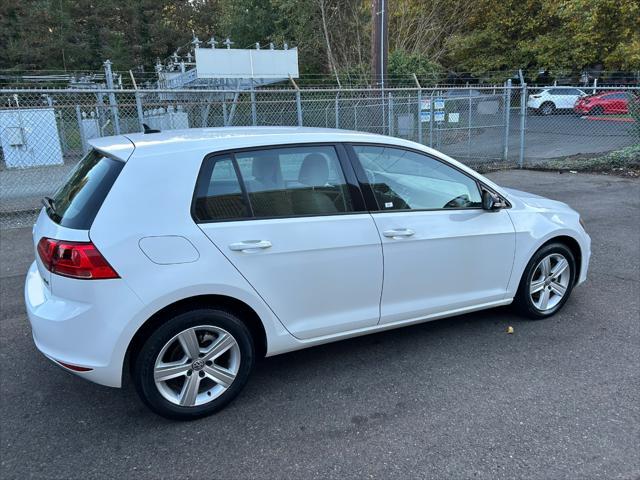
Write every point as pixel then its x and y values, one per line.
pixel 218 139
pixel 562 87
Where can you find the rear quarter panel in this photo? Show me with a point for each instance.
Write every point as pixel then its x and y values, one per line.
pixel 152 198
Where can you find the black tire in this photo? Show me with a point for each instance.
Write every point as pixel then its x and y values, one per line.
pixel 144 363
pixel 547 108
pixel 596 111
pixel 523 301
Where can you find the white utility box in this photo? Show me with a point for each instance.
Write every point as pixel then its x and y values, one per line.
pixel 29 138
pixel 91 127
pixel 169 119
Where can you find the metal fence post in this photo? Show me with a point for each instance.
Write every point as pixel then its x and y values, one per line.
pixel 468 127
pixel 431 120
pixel 390 114
pixel 83 137
pixel 254 112
pixel 507 118
pixel 419 115
pixel 112 97
pixel 337 110
pixel 523 120
pixel 140 112
pixel 383 119
pixel 299 107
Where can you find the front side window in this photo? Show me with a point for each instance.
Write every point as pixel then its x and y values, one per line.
pixel 615 96
pixel 407 180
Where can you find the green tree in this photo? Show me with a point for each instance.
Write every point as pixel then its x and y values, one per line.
pixel 403 64
pixel 551 34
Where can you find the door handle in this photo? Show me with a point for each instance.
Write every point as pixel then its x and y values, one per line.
pixel 250 245
pixel 398 233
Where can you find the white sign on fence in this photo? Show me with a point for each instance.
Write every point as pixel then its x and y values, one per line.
pixel 425 104
pixel 425 116
pixel 454 117
pixel 439 104
pixel 438 116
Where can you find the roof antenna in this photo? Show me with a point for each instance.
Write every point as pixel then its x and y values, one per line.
pixel 148 129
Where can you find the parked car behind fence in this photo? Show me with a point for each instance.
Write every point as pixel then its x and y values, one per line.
pixel 550 100
pixel 604 103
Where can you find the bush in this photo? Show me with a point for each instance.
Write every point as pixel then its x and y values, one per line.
pixel 625 161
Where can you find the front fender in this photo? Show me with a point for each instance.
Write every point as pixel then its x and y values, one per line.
pixel 534 229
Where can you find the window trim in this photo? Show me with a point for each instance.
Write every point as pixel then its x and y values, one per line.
pixel 369 194
pixel 348 172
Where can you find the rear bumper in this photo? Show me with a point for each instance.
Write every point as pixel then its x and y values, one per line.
pixel 82 333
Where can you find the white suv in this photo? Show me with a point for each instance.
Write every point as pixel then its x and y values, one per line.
pixel 183 256
pixel 550 100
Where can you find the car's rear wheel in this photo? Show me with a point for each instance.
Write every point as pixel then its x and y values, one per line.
pixel 547 108
pixel 547 282
pixel 194 364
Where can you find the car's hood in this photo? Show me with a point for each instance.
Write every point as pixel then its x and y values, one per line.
pixel 536 201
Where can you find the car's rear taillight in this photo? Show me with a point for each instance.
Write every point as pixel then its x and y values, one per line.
pixel 74 259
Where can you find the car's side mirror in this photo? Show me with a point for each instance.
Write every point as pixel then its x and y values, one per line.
pixel 491 202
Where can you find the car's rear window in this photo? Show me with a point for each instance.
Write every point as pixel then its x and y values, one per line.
pixel 76 203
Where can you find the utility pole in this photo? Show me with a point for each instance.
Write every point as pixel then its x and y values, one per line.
pixel 379 42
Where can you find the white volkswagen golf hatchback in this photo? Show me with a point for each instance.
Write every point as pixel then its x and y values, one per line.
pixel 180 257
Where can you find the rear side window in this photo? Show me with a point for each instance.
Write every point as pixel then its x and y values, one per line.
pixel 271 183
pixel 287 182
pixel 76 204
pixel 219 194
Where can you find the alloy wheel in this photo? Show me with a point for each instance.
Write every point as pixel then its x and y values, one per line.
pixel 550 282
pixel 547 109
pixel 197 365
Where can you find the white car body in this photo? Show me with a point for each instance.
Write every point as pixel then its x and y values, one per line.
pixel 321 280
pixel 559 98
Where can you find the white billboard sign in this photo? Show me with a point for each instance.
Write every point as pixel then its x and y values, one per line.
pixel 245 63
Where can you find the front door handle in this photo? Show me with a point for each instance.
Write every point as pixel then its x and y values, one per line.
pixel 250 245
pixel 398 233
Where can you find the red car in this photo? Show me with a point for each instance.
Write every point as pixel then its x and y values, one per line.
pixel 603 103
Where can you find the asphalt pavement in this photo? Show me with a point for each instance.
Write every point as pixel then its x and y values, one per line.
pixel 456 398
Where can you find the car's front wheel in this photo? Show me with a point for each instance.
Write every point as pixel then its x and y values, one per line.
pixel 547 282
pixel 194 364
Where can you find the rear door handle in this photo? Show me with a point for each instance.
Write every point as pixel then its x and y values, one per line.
pixel 398 233
pixel 250 245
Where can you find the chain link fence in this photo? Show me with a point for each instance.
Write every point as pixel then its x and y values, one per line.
pixel 43 133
